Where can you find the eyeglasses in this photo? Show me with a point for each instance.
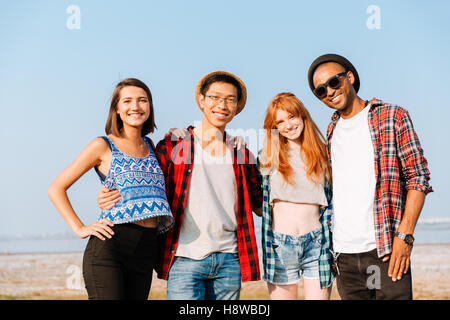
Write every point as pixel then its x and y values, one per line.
pixel 230 101
pixel 334 83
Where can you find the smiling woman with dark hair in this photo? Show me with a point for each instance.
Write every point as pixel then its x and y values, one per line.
pixel 119 257
pixel 114 123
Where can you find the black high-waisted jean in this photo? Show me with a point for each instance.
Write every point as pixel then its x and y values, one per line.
pixel 365 276
pixel 121 267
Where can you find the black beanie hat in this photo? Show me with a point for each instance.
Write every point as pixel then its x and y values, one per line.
pixel 332 58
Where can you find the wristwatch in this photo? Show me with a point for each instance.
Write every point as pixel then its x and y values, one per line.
pixel 408 238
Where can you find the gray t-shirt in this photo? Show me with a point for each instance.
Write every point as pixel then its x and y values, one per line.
pixel 209 220
pixel 303 191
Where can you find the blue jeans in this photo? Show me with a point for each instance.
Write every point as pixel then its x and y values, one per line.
pixel 216 277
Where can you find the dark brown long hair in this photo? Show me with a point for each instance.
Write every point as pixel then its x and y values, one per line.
pixel 114 124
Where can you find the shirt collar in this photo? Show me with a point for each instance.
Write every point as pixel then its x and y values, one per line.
pixel 374 102
pixel 227 137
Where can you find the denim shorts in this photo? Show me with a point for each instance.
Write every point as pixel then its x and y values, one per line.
pixel 296 256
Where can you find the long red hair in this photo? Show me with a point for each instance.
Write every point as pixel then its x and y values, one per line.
pixel 312 143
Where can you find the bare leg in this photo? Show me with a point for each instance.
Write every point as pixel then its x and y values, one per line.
pixel 283 292
pixel 313 290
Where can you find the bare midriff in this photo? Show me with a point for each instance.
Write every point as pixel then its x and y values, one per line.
pixel 294 219
pixel 147 223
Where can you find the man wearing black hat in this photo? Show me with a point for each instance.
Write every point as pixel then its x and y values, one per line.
pixel 380 179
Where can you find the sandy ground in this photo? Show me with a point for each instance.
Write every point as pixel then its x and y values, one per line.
pixel 59 276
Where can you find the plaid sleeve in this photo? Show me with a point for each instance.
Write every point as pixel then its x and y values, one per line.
pixel 326 274
pixel 268 257
pixel 162 152
pixel 414 165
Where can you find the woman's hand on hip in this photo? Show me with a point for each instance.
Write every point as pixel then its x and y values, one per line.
pixel 100 229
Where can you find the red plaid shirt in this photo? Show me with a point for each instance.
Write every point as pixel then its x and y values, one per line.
pixel 176 159
pixel 399 167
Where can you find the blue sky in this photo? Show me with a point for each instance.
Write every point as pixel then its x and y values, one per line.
pixel 56 83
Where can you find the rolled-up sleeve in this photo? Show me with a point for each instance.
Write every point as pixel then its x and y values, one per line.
pixel 413 163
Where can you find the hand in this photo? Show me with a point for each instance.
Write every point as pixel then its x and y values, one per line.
pixel 178 133
pixel 99 229
pixel 400 259
pixel 238 141
pixel 107 199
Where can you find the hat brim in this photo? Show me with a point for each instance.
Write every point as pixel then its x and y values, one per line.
pixel 331 57
pixel 242 101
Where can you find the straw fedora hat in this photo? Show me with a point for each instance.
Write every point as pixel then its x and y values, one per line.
pixel 241 102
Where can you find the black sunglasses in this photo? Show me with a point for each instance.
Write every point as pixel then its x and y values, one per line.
pixel 334 83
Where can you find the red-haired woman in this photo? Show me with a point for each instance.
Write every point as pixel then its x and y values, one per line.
pixel 297 202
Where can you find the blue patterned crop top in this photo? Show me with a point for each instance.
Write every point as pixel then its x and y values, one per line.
pixel 142 188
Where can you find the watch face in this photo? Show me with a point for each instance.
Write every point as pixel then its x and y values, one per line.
pixel 409 239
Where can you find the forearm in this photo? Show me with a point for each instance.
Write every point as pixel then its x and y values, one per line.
pixel 90 157
pixel 61 202
pixel 414 203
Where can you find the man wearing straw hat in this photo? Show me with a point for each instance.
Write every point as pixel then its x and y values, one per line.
pixel 212 188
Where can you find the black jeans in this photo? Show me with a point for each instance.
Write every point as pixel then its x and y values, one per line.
pixel 121 267
pixel 363 276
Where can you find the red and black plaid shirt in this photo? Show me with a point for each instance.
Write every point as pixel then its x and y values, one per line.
pixel 176 159
pixel 399 166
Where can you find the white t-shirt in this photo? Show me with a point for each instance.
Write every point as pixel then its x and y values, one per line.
pixel 352 158
pixel 209 221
